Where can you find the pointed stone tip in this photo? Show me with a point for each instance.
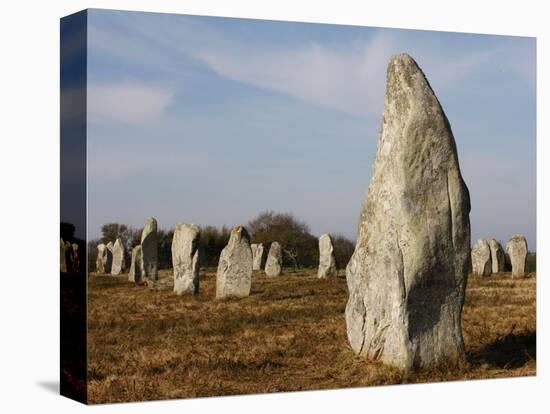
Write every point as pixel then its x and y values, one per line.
pixel 402 59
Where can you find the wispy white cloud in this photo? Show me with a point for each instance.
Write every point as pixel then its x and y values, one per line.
pixel 130 103
pixel 349 78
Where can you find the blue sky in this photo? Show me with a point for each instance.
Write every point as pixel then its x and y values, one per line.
pixel 213 120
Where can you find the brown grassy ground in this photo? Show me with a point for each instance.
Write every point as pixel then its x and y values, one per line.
pixel 288 335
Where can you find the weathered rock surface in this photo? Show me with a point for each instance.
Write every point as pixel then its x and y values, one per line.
pixel 274 262
pixel 185 258
pixel 149 249
pixel 497 256
pixel 108 257
pixel 258 256
pixel 100 260
pixel 327 261
pixel 234 277
pixel 407 276
pixel 119 263
pixel 517 250
pixel 481 258
pixel 136 266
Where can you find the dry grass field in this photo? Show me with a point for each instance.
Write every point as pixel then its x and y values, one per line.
pixel 289 335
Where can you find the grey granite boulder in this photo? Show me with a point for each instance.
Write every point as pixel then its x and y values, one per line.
pixel 274 261
pixel 481 258
pixel 185 258
pixel 327 261
pixel 258 256
pixel 234 276
pixel 149 249
pixel 517 250
pixel 108 257
pixel 497 256
pixel 407 276
pixel 136 266
pixel 100 260
pixel 119 263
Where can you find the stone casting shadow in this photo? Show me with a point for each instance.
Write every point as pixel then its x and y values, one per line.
pixel 51 386
pixel 510 351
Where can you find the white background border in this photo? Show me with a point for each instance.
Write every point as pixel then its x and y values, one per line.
pixel 29 136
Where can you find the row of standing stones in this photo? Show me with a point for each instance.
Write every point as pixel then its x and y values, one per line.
pixel 407 276
pixel 488 256
pixel 236 263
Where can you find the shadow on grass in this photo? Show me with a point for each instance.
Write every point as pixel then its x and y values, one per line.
pixel 510 351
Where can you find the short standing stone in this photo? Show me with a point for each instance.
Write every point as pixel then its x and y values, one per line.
pixel 253 247
pixel 497 256
pixel 119 263
pixel 258 256
pixel 149 249
pixel 63 257
pixel 407 276
pixel 76 258
pixel 136 266
pixel 100 260
pixel 517 250
pixel 481 258
pixel 234 277
pixel 185 258
pixel 327 261
pixel 108 257
pixel 274 262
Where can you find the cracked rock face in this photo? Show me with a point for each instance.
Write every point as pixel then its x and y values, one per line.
pixel 481 258
pixel 136 266
pixel 234 277
pixel 497 256
pixel 185 258
pixel 517 249
pixel 118 258
pixel 274 261
pixel 327 261
pixel 149 249
pixel 407 276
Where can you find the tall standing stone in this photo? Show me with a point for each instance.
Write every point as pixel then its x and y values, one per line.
pixel 258 256
pixel 108 257
pixel 136 266
pixel 119 263
pixel 100 260
pixel 517 250
pixel 234 276
pixel 185 258
pixel 481 258
pixel 407 276
pixel 497 256
pixel 274 262
pixel 327 261
pixel 149 249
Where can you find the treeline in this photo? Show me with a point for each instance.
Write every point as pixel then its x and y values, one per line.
pixel 300 247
